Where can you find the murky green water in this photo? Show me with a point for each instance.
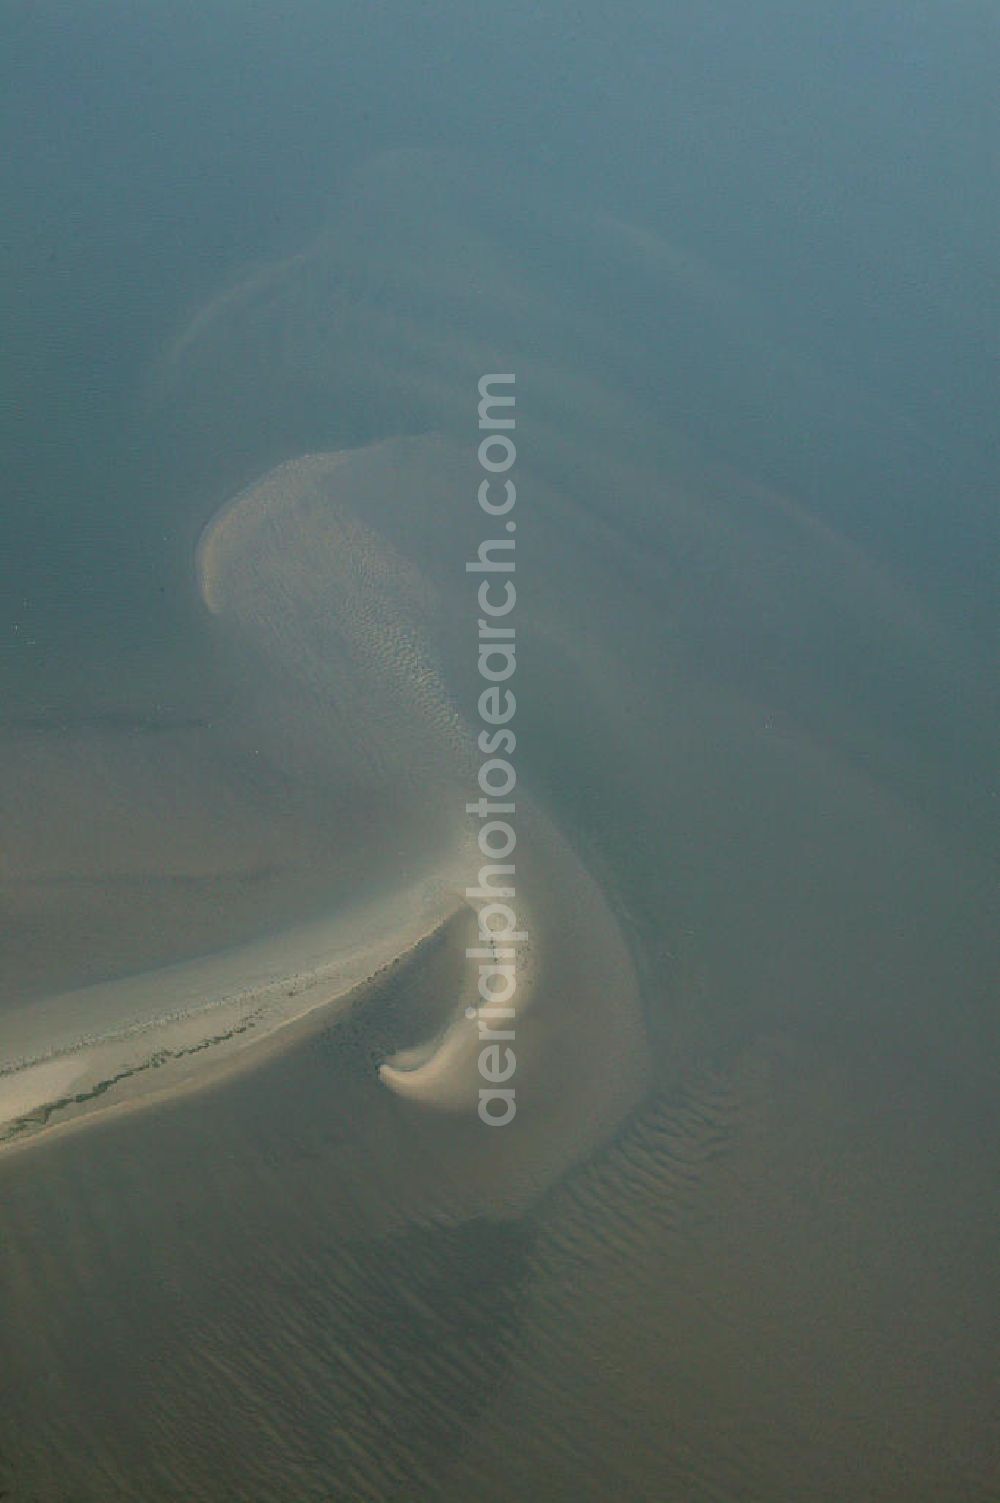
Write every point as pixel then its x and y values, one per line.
pixel 742 266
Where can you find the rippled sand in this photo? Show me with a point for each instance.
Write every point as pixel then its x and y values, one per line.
pixel 339 627
pixel 739 1241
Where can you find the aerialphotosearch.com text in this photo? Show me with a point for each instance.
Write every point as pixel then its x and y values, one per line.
pixel 495 893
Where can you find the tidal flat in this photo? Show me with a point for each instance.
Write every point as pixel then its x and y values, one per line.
pixel 256 1242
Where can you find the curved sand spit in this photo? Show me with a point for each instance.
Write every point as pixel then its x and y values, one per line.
pixel 299 571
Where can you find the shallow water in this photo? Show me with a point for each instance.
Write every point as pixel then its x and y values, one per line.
pixel 739 1241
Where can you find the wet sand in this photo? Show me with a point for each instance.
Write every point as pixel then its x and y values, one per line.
pixel 740 1239
pixel 153 1037
pixel 337 628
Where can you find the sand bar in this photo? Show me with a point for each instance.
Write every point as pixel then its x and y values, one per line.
pixel 178 1028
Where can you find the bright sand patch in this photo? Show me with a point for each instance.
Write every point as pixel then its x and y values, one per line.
pixel 318 572
pixel 444 1072
pixel 180 1028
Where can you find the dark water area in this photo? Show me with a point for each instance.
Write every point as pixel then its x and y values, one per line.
pixel 740 1242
